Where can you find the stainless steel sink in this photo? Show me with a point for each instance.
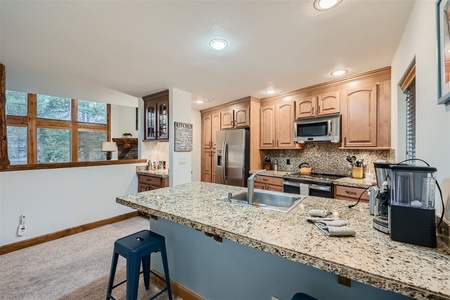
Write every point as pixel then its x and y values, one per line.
pixel 281 202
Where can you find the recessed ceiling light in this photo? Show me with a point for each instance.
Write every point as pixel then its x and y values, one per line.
pixel 270 92
pixel 339 72
pixel 218 44
pixel 199 101
pixel 325 4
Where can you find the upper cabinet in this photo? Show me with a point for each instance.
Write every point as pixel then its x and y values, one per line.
pixel 210 125
pixel 366 112
pixel 359 125
pixel 236 116
pixel 323 104
pixel 277 125
pixel 156 116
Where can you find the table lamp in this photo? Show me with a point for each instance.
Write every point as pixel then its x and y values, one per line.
pixel 108 147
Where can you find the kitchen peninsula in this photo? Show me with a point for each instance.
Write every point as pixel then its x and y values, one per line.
pixel 370 257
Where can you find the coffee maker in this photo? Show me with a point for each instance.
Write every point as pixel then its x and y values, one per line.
pixel 411 212
pixel 380 196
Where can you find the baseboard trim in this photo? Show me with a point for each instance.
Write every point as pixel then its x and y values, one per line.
pixel 62 233
pixel 176 288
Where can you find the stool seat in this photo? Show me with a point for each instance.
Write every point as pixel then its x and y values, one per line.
pixel 302 296
pixel 137 248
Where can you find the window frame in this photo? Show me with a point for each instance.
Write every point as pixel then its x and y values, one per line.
pixel 32 122
pixel 408 83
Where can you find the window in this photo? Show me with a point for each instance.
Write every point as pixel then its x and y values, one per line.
pixel 408 86
pixel 411 120
pixel 41 130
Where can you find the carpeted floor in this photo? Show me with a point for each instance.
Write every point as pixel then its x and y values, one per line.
pixel 73 267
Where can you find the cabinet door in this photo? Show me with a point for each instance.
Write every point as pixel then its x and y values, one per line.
pixel 163 119
pixel 359 120
pixel 143 187
pixel 285 125
pixel 207 131
pixel 227 119
pixel 306 107
pixel 150 120
pixel 259 186
pixel 274 188
pixel 215 126
pixel 328 103
pixel 242 117
pixel 267 127
pixel 206 166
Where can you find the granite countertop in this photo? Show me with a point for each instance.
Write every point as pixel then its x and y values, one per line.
pixel 370 257
pixel 140 170
pixel 345 181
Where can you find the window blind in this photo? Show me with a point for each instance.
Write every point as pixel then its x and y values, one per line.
pixel 411 120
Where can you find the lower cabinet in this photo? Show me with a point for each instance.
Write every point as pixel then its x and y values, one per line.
pixel 148 183
pixel 350 193
pixel 268 183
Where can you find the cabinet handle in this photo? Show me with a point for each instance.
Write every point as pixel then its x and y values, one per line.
pixel 277 143
pixel 273 142
pixel 350 193
pixel 318 109
pixel 265 179
pixel 313 110
pixel 345 141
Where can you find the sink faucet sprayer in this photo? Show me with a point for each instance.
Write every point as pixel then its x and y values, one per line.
pixel 250 185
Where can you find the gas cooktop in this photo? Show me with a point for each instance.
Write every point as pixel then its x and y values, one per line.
pixel 313 177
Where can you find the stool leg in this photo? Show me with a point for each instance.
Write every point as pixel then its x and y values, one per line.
pixel 133 268
pixel 146 270
pixel 166 270
pixel 112 274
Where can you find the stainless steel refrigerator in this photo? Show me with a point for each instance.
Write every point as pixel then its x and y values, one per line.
pixel 232 156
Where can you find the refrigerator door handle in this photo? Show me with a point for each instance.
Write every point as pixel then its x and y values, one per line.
pixel 225 160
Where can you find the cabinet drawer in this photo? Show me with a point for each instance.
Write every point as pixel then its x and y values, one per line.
pixel 149 180
pixel 269 180
pixel 349 193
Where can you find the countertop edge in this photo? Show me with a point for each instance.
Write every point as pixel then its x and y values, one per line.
pixel 322 264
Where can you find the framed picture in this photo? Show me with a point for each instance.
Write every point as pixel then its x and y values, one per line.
pixel 443 39
pixel 183 137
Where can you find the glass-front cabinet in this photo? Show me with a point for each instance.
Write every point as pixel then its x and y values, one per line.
pixel 156 118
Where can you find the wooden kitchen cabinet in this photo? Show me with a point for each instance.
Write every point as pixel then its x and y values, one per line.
pixel 156 116
pixel 148 183
pixel 350 193
pixel 236 116
pixel 323 104
pixel 208 167
pixel 268 183
pixel 277 126
pixel 210 125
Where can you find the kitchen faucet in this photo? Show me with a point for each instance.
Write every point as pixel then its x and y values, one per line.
pixel 250 186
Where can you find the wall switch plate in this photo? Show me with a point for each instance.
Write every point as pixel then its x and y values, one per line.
pixel 182 161
pixel 21 230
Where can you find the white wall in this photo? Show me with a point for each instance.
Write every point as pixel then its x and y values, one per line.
pixel 58 199
pixel 127 121
pixel 433 121
pixel 180 103
pixel 196 151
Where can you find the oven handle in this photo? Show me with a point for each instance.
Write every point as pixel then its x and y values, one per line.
pixel 317 187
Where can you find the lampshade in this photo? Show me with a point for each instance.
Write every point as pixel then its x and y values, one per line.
pixel 109 146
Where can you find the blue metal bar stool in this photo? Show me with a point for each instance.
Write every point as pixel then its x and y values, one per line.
pixel 302 296
pixel 137 248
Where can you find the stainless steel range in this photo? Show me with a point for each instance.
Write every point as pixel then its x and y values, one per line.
pixel 314 184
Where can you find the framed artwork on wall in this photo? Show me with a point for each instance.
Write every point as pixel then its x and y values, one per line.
pixel 183 137
pixel 443 43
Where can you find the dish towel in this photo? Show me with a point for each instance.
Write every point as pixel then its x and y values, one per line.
pixel 318 213
pixel 335 230
pixel 304 189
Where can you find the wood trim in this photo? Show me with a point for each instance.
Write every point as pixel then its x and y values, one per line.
pixel 164 93
pixel 74 131
pixel 176 288
pixel 32 129
pixel 17 121
pixel 9 168
pixel 108 121
pixel 333 83
pixel 63 233
pixel 410 76
pixel 4 160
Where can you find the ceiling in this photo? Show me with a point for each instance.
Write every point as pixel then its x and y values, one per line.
pixel 115 51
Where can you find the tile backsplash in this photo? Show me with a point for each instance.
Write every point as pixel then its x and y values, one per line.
pixel 327 158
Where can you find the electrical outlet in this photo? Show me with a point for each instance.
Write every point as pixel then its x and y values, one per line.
pixel 288 161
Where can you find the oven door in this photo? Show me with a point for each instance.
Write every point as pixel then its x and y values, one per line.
pixel 317 190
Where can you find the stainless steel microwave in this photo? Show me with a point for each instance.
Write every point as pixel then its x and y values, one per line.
pixel 318 129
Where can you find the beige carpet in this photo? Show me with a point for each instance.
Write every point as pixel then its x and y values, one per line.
pixel 74 267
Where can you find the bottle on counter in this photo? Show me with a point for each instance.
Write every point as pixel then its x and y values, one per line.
pixel 275 165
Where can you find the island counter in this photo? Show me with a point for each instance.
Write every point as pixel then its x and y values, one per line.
pixel 370 257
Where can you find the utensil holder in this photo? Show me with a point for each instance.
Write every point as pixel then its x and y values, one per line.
pixel 357 172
